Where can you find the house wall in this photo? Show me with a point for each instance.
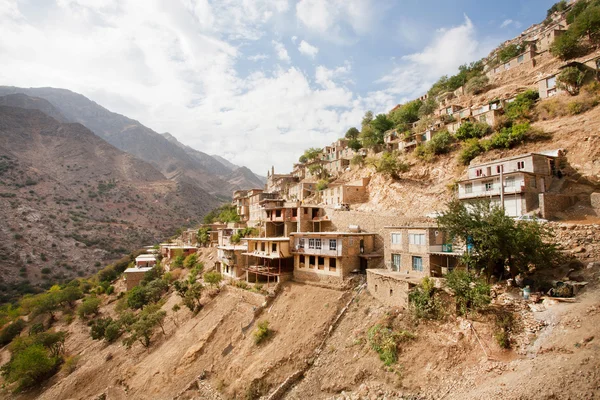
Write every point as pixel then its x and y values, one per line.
pixel 390 291
pixel 552 203
pixel 407 251
pixel 133 279
pixel 533 163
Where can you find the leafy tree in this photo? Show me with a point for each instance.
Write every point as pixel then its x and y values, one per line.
pixel 588 24
pixel 390 164
pixel 366 121
pixel 352 133
pixel 30 367
pixel 404 115
pixel 143 328
pixel 190 261
pixel 213 278
pixel 509 52
pixel 319 171
pixel 428 107
pixel 508 137
pixel 470 130
pixel 381 123
pixel 322 184
pixel 190 292
pixel 371 138
pixel 566 46
pixel 470 149
pixel 225 213
pixel 137 297
pixel 497 243
pixel 155 290
pixel 424 301
pixel 557 7
pixel 354 144
pixel 577 9
pixel 570 79
pixel 312 154
pixel 89 306
pixel 203 236
pixel 178 261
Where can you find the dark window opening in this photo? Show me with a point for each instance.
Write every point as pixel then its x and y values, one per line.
pixel 321 262
pixel 332 264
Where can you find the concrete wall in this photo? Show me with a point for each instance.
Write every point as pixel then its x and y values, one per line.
pixel 388 290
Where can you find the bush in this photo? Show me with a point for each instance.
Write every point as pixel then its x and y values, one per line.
pixel 477 85
pixel 137 297
pixel 70 365
pixel 471 149
pixel 213 278
pixel 9 332
pixel 424 302
pixel 504 326
pixel 521 107
pixel 472 130
pixel 358 159
pixel 509 137
pixel 575 107
pixel 262 332
pixel 389 164
pixel 322 184
pixel 30 366
pixel 385 342
pixel 89 306
pixel 190 261
pixel 471 293
pixel 440 143
pixel 566 46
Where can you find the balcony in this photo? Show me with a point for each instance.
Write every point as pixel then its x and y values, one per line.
pixel 318 252
pixel 494 191
pixel 449 248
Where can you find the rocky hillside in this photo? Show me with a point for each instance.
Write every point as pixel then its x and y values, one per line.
pixel 70 202
pixel 175 160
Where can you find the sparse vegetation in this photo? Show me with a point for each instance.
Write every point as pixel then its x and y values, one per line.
pixel 470 292
pixel 262 332
pixel 570 79
pixel 424 300
pixel 504 322
pixel 89 306
pixel 213 278
pixel 472 130
pixel 386 341
pixel 389 164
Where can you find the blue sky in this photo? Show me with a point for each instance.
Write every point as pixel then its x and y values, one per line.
pixel 255 81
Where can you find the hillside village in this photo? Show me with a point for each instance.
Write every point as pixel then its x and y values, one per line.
pixel 329 281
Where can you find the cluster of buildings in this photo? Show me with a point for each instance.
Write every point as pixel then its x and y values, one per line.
pixel 299 233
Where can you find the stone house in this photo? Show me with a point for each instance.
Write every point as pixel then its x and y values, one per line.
pixel 279 183
pixel 420 251
pixel 524 60
pixel 346 193
pixel 133 276
pixel 268 260
pixel 330 257
pixel 145 260
pixel 523 178
pixel 392 140
pixel 230 261
pixel 301 191
pixel 337 167
pixel 547 86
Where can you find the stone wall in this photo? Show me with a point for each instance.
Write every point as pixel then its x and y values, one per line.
pixel 582 241
pixel 388 290
pixel 595 200
pixel 551 203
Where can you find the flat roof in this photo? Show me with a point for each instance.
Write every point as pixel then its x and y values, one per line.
pixel 496 175
pixel 411 227
pixel 230 247
pixel 401 276
pixel 271 239
pixel 150 257
pixel 544 154
pixel 143 269
pixel 333 233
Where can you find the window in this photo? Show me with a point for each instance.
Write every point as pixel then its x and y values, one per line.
pixel 520 164
pixel 479 172
pixel 333 244
pixel 499 168
pixel 489 171
pixel 318 244
pixel 510 182
pixel 449 110
pixel 417 264
pixel 311 243
pixel 321 262
pixel 468 188
pixel 301 243
pixel 520 58
pixel 278 213
pixel 273 247
pixel 507 66
pixel 311 261
pixel 424 137
pixel 396 238
pixel 332 264
pixel 489 186
pixel 395 262
pixel 262 246
pixel 416 238
pixel 301 261
pixel 551 82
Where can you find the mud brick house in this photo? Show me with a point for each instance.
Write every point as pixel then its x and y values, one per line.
pixel 133 276
pixel 346 193
pixel 513 182
pixel 331 256
pixel 268 260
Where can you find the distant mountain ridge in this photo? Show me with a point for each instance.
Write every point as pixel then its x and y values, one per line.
pixel 175 160
pixel 68 196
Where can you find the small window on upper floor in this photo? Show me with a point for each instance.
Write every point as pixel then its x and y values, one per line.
pixel 520 58
pixel 499 168
pixel 396 238
pixel 520 164
pixel 468 188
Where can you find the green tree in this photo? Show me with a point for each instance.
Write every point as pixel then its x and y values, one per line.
pixel 213 278
pixel 381 123
pixel 89 306
pixel 390 164
pixel 498 244
pixel 10 331
pixel 557 7
pixel 137 297
pixel 190 261
pixel 371 138
pixel 354 144
pixel 322 184
pixel 570 79
pixel 520 108
pixel 471 293
pixel 428 107
pixel 30 367
pixel 203 236
pixel 142 330
pixel 509 52
pixel 588 24
pixel 477 84
pixel 566 46
pixel 352 133
pixel 366 121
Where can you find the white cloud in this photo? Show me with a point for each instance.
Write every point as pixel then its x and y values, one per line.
pixel 326 77
pixel 258 57
pixel 334 17
pixel 450 48
pixel 508 22
pixel 281 51
pixel 294 38
pixel 307 49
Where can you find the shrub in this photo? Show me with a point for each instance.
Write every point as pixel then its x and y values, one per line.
pixel 477 85
pixel 262 332
pixel 322 184
pixel 521 107
pixel 472 130
pixel 213 278
pixel 137 297
pixel 358 159
pixel 89 306
pixel 504 326
pixel 471 149
pixel 178 261
pixel 471 293
pixel 424 301
pixel 143 328
pixel 190 261
pixel 9 332
pixel 385 342
pixel 70 365
pixel 389 164
pixel 575 107
pixel 440 143
pixel 566 46
pixel 30 366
